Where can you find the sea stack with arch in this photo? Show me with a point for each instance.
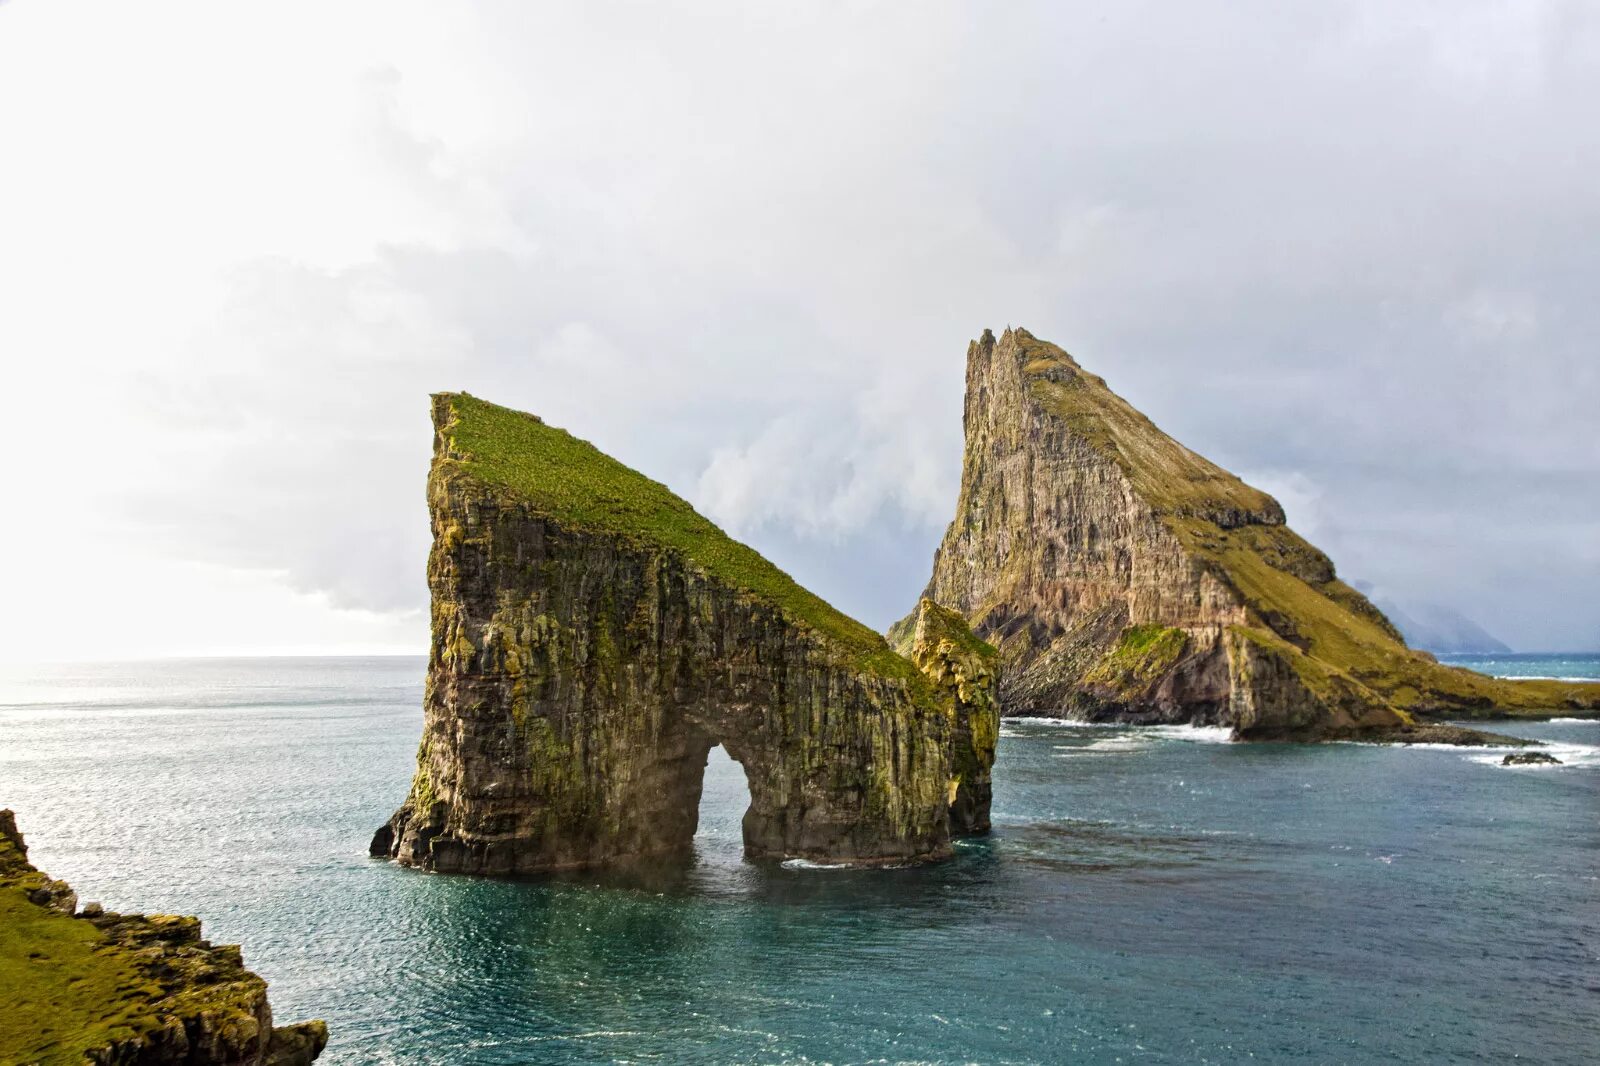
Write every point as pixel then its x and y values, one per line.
pixel 593 637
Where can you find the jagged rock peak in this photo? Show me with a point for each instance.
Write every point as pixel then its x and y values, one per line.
pixel 594 637
pixel 98 987
pixel 1125 577
pixel 1169 476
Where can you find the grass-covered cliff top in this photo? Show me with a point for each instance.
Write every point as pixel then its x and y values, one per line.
pixel 1168 476
pixel 1239 532
pixel 935 623
pixel 573 482
pixel 72 985
pixel 65 991
pixel 1333 623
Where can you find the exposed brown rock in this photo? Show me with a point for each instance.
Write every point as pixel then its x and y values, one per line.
pixel 967 672
pixel 1125 578
pixel 594 637
pixel 125 989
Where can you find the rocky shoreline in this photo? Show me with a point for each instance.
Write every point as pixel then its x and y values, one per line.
pixel 89 985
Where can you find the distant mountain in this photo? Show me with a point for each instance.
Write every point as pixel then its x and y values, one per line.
pixel 1442 630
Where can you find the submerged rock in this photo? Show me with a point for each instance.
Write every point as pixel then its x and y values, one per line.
pixel 1530 758
pixel 126 988
pixel 593 637
pixel 1125 578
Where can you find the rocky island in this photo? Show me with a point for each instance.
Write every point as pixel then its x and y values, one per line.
pixel 1125 578
pixel 90 986
pixel 593 637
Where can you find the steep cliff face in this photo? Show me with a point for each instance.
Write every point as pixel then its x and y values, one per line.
pixel 594 637
pixel 1126 578
pixel 119 989
pixel 966 672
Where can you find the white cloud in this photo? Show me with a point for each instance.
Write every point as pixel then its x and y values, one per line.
pixel 743 248
pixel 1494 318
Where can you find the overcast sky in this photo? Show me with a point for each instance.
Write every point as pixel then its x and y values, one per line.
pixel 1348 250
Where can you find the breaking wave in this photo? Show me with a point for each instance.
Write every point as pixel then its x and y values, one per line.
pixel 1194 734
pixel 1547 677
pixel 1570 755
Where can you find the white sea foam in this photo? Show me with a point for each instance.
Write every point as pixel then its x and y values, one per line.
pixel 1570 756
pixel 1457 748
pixel 1206 734
pixel 1131 738
pixel 1120 742
pixel 807 864
pixel 1065 723
pixel 1013 727
pixel 1546 677
pixel 1194 734
pixel 1577 721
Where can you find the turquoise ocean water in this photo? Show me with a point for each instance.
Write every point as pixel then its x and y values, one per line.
pixel 1149 895
pixel 1567 667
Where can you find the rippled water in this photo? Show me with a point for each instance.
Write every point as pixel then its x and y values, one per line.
pixel 1149 895
pixel 1564 667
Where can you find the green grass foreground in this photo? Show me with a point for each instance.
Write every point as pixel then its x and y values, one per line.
pixel 65 991
pixel 66 988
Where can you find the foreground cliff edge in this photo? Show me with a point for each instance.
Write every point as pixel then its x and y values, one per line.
pixel 1125 578
pixel 593 637
pixel 97 987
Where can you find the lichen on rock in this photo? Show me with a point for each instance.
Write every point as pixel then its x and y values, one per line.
pixel 1126 578
pixel 966 672
pixel 99 987
pixel 594 637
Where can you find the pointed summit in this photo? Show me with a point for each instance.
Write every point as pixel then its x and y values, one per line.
pixel 1126 578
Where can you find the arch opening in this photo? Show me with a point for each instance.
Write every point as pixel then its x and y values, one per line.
pixel 719 837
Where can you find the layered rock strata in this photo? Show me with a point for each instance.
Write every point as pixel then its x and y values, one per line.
pixel 1125 578
pixel 91 986
pixel 593 637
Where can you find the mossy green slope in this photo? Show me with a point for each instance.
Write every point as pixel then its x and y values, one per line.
pixel 123 988
pixel 1126 578
pixel 1164 473
pixel 1142 654
pixel 569 480
pixel 1289 584
pixel 65 991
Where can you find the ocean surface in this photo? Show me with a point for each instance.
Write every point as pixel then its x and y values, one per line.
pixel 1567 667
pixel 1149 895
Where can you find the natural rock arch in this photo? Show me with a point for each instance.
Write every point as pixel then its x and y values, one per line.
pixel 594 637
